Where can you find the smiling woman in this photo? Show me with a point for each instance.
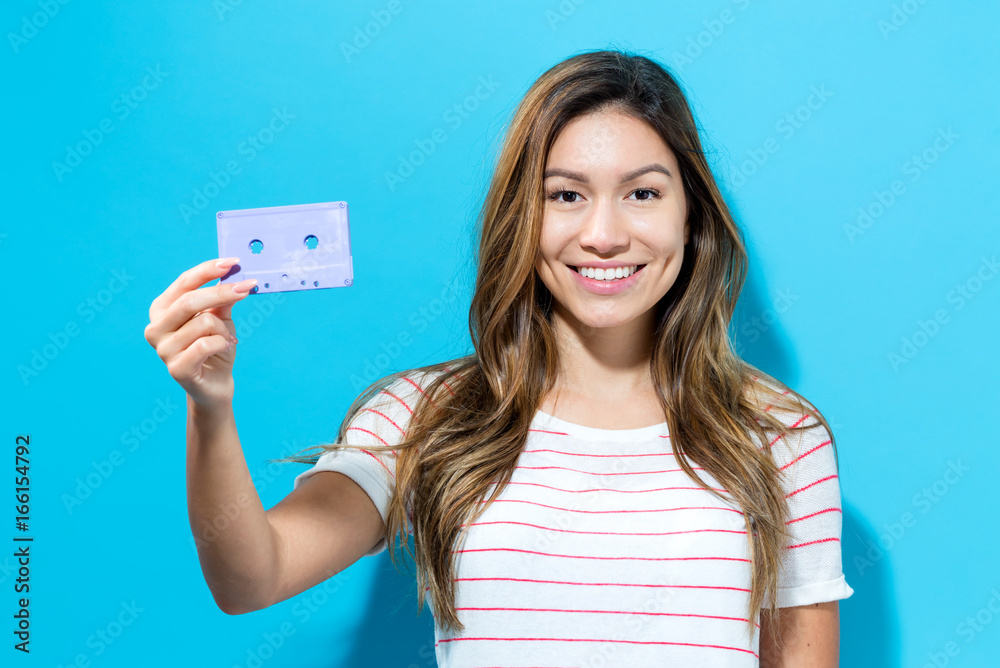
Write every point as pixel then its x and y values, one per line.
pixel 613 201
pixel 605 405
pixel 604 481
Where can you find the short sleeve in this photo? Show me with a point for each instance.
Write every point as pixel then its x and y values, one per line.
pixel 382 420
pixel 812 561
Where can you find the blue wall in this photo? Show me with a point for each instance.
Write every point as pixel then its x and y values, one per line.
pixel 856 141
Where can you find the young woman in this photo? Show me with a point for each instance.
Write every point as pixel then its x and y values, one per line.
pixel 603 482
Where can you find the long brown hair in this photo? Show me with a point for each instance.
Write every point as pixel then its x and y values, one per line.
pixel 471 421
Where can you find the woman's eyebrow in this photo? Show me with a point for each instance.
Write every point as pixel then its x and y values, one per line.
pixel 577 176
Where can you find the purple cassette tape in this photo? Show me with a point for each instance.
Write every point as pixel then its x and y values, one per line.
pixel 297 247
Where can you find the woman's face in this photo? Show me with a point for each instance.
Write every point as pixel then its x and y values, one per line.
pixel 614 199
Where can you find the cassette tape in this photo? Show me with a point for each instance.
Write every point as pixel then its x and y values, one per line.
pixel 287 248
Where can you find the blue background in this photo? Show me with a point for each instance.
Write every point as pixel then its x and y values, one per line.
pixel 828 303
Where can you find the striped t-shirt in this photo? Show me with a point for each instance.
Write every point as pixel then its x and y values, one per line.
pixel 601 551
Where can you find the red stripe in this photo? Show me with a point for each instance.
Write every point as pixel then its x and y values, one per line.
pixel 815 542
pixel 562 433
pixel 380 462
pixel 544 431
pixel 791 426
pixel 581 556
pixel 369 432
pixel 399 400
pixel 818 512
pixel 563 468
pixel 607 489
pixel 616 612
pixel 410 381
pixel 654 510
pixel 600 584
pixel 385 416
pixel 609 533
pixel 631 642
pixel 805 453
pixel 802 489
pixel 583 454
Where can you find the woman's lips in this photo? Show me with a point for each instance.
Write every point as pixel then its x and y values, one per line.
pixel 602 287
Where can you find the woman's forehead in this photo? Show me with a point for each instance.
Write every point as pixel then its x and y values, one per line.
pixel 609 143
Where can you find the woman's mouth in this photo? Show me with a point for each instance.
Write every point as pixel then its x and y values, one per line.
pixel 610 275
pixel 606 282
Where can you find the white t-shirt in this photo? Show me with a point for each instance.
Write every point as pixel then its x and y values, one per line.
pixel 603 552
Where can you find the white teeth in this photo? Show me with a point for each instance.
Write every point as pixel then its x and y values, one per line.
pixel 607 274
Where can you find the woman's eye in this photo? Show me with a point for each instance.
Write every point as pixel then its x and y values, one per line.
pixel 643 194
pixel 571 197
pixel 567 196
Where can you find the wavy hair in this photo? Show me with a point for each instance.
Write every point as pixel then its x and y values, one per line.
pixel 471 422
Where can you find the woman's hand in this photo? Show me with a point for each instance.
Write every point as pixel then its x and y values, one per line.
pixel 191 329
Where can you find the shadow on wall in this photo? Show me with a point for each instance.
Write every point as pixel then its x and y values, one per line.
pixel 756 326
pixel 392 635
pixel 869 621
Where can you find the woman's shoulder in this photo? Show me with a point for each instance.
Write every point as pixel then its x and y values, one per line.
pixel 772 396
pixel 403 389
pixel 803 426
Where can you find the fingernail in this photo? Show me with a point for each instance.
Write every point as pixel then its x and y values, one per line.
pixel 244 286
pixel 226 262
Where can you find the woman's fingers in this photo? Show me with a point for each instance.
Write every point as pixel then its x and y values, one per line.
pixel 203 325
pixel 184 298
pixel 188 280
pixel 186 365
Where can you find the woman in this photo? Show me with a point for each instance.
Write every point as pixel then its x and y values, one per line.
pixel 603 482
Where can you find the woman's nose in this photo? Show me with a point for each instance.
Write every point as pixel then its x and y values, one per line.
pixel 604 228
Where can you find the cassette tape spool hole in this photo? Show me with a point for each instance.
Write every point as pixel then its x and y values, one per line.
pixel 257 247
